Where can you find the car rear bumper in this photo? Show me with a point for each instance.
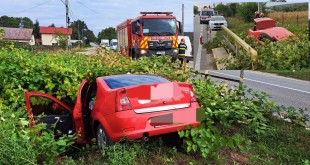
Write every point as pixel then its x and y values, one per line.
pixel 130 125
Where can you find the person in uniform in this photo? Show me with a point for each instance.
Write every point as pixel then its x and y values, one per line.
pixel 182 50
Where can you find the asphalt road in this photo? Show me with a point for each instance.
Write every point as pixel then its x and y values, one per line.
pixel 282 90
pixel 203 61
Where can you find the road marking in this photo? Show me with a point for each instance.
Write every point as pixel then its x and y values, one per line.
pixel 279 86
pixel 198 56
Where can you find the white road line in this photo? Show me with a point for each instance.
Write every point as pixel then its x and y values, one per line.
pixel 280 86
pixel 198 58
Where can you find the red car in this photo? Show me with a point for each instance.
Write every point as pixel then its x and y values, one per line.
pixel 265 28
pixel 113 107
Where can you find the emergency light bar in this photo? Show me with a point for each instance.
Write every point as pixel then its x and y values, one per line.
pixel 145 13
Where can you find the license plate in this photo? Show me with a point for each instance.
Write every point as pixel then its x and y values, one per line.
pixel 160 52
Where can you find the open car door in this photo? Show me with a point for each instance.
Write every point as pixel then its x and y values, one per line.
pixel 78 113
pixel 43 108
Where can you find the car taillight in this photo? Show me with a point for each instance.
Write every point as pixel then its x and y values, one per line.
pixel 124 102
pixel 192 94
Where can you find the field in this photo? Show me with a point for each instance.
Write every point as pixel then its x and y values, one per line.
pixel 298 18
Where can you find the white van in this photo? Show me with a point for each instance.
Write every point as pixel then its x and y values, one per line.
pixel 113 44
pixel 188 52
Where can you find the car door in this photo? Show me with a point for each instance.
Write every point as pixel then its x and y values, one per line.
pixel 43 108
pixel 78 112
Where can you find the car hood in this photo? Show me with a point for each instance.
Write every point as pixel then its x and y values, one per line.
pixel 279 33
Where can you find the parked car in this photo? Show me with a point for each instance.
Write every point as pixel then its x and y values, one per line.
pixel 265 28
pixel 216 22
pixel 188 52
pixel 134 106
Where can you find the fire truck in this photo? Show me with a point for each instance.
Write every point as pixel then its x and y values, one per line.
pixel 151 33
pixel 205 15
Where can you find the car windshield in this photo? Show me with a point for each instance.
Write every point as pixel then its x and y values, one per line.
pixel 207 13
pixel 217 19
pixel 114 43
pixel 159 27
pixel 132 80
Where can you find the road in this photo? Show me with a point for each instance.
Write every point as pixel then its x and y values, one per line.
pixel 203 61
pixel 282 90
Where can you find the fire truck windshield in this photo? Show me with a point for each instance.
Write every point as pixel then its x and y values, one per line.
pixel 207 13
pixel 159 27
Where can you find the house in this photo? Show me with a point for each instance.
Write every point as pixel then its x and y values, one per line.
pixel 22 35
pixel 49 35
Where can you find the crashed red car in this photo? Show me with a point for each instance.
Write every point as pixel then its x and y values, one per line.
pixel 265 28
pixel 113 107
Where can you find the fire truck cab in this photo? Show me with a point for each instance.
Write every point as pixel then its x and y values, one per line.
pixel 152 33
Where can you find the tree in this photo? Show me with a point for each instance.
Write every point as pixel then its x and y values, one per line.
pixel 107 33
pixel 15 22
pixel 246 10
pixel 196 10
pixel 51 25
pixel 224 10
pixel 80 31
pixel 233 8
pixel 36 30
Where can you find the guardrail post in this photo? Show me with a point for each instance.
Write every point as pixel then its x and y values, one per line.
pixel 206 74
pixel 184 64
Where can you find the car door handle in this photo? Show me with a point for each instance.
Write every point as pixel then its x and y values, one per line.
pixel 58 120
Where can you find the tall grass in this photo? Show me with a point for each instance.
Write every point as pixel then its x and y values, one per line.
pixel 285 19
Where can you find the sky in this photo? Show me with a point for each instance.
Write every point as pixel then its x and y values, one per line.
pixel 99 14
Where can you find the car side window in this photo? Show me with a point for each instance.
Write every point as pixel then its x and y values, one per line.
pixel 45 106
pixel 264 37
pixel 92 96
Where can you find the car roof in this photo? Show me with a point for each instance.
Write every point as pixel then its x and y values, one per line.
pixel 279 33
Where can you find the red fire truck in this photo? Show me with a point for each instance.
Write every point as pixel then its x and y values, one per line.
pixel 152 33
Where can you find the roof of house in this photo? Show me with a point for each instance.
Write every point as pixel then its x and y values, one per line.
pixel 17 33
pixel 54 30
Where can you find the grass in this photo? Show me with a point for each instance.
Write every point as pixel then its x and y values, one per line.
pixel 283 143
pixel 303 74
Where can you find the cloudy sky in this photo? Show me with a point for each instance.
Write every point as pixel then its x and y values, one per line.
pixel 98 14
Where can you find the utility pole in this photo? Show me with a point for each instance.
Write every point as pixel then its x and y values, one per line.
pixel 67 21
pixel 259 6
pixel 182 19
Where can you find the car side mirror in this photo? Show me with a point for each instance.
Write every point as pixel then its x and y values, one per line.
pixel 180 27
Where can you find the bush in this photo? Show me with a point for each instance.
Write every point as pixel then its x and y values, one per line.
pixel 21 145
pixel 227 109
pixel 58 74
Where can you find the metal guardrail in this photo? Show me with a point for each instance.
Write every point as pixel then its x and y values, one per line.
pixel 240 80
pixel 239 43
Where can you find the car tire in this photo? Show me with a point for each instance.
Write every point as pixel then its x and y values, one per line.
pixel 103 139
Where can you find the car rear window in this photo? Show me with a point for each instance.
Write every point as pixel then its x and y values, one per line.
pixel 131 80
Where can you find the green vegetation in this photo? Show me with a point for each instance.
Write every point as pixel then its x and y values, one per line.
pixel 217 41
pixel 303 74
pixel 107 33
pixel 236 126
pixel 196 10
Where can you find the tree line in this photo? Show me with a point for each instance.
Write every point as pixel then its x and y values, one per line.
pixel 80 31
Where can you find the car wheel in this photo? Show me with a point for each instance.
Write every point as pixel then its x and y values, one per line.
pixel 103 140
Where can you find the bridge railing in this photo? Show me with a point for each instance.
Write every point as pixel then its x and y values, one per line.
pixel 236 44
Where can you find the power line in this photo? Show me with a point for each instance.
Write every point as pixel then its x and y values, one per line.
pixel 33 7
pixel 94 10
